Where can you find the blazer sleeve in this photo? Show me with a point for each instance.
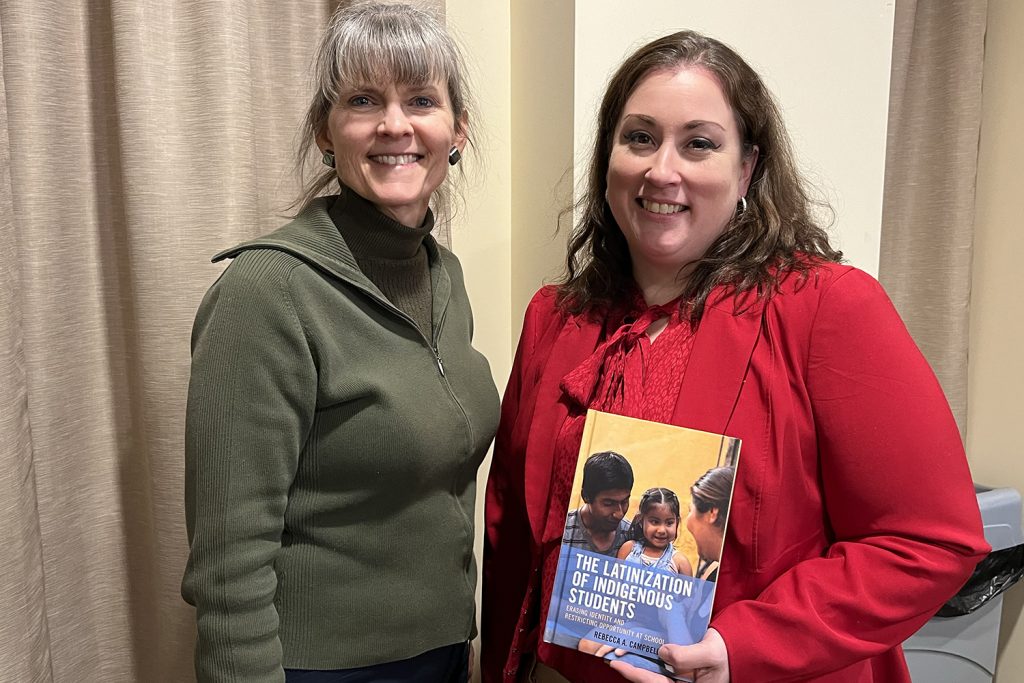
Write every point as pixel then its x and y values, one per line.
pixel 899 503
pixel 251 400
pixel 508 543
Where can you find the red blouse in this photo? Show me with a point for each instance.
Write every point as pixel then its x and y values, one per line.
pixel 629 375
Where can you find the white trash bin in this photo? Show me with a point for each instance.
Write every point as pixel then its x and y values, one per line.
pixel 962 649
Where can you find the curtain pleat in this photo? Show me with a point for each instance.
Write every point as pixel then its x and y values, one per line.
pixel 930 169
pixel 24 637
pixel 140 137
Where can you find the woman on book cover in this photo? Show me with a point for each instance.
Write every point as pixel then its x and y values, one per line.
pixel 337 410
pixel 709 510
pixel 653 534
pixel 701 290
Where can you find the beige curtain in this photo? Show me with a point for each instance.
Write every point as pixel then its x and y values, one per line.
pixel 930 168
pixel 138 137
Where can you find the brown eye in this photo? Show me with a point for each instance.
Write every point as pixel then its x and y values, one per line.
pixel 639 138
pixel 702 144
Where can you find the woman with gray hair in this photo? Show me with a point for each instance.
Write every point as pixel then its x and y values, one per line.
pixel 337 410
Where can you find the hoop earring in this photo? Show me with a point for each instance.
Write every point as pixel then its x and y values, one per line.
pixel 328 158
pixel 454 155
pixel 741 206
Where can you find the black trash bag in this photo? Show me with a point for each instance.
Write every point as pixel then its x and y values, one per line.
pixel 993 575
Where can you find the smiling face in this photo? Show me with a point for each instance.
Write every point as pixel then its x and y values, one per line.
pixel 660 526
pixel 706 533
pixel 676 172
pixel 391 145
pixel 607 509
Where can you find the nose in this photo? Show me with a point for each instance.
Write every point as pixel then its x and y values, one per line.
pixel 665 167
pixel 395 123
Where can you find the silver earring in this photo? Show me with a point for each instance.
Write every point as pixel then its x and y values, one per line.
pixel 454 155
pixel 741 205
pixel 328 158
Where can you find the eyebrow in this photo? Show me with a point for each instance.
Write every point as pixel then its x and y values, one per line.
pixel 377 90
pixel 690 125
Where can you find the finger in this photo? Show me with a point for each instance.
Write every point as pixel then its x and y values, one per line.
pixel 603 650
pixel 631 673
pixel 708 653
pixel 683 657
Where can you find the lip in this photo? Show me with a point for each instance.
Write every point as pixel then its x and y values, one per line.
pixel 661 207
pixel 402 159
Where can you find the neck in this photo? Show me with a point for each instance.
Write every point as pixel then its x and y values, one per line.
pixel 586 518
pixel 717 555
pixel 659 285
pixel 370 233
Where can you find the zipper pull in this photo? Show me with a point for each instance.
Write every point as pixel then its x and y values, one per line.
pixel 440 365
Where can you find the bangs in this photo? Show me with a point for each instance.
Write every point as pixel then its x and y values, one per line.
pixel 392 52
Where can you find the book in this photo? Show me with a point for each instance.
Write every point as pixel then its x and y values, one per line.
pixel 638 563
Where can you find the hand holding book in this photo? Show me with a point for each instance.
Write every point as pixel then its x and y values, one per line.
pixel 708 659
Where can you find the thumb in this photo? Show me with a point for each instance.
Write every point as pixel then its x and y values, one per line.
pixel 708 653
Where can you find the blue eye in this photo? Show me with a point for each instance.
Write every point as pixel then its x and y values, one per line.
pixel 422 102
pixel 359 101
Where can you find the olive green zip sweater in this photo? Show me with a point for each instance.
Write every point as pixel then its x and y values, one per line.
pixel 331 459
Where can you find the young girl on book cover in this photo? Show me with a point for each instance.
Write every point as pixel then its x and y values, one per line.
pixel 655 528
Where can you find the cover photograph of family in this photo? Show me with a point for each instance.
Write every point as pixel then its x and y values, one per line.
pixel 640 549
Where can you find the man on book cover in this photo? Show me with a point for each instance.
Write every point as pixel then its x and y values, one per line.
pixel 600 525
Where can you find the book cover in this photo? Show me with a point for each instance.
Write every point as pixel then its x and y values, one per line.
pixel 642 541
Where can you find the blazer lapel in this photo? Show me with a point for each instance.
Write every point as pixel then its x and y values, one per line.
pixel 710 390
pixel 718 364
pixel 575 343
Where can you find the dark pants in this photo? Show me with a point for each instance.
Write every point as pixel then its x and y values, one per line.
pixel 449 664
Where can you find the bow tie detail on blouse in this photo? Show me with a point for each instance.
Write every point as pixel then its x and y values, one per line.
pixel 612 378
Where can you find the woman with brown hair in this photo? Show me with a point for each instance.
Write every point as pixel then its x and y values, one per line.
pixel 702 291
pixel 709 511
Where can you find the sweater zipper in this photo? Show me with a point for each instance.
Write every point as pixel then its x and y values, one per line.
pixel 388 306
pixel 433 345
pixel 467 521
pixel 434 348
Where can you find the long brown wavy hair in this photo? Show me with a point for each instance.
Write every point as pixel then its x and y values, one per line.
pixel 775 236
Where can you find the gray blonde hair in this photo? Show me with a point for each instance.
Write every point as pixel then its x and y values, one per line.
pixel 380 42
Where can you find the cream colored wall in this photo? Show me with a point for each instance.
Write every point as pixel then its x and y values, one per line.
pixel 827 63
pixel 995 405
pixel 482 232
pixel 542 154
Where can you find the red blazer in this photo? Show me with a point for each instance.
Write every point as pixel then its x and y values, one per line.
pixel 853 517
